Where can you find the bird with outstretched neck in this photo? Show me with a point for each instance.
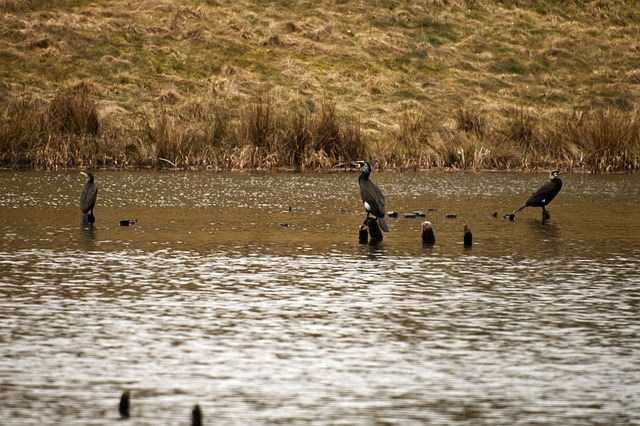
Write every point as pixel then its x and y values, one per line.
pixel 372 197
pixel 88 198
pixel 543 196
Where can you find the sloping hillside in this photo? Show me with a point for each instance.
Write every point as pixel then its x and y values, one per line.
pixel 467 84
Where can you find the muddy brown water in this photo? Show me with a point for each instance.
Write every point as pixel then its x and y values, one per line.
pixel 248 293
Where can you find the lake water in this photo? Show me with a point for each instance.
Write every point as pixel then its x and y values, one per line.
pixel 248 293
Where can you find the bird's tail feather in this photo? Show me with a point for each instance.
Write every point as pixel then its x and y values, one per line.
pixel 383 224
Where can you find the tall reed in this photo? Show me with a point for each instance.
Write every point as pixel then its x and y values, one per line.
pixel 69 131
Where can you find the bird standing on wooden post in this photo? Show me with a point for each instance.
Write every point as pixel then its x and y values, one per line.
pixel 372 197
pixel 543 196
pixel 88 198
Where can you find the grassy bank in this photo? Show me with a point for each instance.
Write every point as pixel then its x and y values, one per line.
pixel 305 85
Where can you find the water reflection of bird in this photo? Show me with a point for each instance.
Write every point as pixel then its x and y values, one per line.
pixel 88 198
pixel 544 195
pixel 372 197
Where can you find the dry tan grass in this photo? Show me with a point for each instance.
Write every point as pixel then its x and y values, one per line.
pixel 460 83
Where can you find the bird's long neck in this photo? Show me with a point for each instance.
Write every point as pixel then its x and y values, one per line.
pixel 364 176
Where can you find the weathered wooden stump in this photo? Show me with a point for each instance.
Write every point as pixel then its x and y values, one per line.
pixel 375 234
pixel 87 218
pixel 363 234
pixel 196 416
pixel 428 236
pixel 369 232
pixel 468 236
pixel 125 404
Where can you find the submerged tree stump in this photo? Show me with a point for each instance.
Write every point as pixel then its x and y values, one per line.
pixel 428 237
pixel 87 218
pixel 363 234
pixel 375 234
pixel 369 232
pixel 124 406
pixel 196 416
pixel 468 236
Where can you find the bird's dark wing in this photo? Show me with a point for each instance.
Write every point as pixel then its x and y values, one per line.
pixel 372 195
pixel 88 197
pixel 544 194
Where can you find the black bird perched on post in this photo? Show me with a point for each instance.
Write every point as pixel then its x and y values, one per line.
pixel 88 198
pixel 544 195
pixel 372 197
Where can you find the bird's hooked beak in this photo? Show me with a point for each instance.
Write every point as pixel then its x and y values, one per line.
pixel 84 173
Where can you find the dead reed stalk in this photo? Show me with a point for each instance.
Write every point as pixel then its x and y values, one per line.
pixel 68 131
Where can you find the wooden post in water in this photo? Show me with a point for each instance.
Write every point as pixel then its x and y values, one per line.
pixel 124 406
pixel 196 416
pixel 87 218
pixel 369 232
pixel 468 236
pixel 428 236
pixel 375 234
pixel 363 234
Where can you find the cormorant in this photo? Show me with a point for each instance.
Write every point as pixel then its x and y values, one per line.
pixel 88 198
pixel 372 197
pixel 544 195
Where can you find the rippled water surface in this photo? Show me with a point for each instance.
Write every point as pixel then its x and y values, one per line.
pixel 248 293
